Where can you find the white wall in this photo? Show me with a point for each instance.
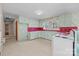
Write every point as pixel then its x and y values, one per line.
pixel 1 29
pixel 1 21
pixel 14 27
pixel 11 29
pixel 11 32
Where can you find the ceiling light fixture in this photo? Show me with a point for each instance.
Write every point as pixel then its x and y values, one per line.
pixel 39 12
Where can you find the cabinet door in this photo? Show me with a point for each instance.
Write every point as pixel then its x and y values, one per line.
pixel 34 35
pixel 41 34
pixel 48 34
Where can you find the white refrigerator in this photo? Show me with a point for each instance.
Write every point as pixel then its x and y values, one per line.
pixel 63 45
pixel 76 46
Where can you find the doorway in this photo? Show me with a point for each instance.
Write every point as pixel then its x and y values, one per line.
pixel 10 29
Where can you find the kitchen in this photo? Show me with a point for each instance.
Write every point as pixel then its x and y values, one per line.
pixel 54 30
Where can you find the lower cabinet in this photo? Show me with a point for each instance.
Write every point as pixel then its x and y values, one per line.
pixel 48 34
pixel 43 34
pixel 34 35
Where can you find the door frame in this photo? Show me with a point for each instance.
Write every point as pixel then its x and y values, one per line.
pixel 16 30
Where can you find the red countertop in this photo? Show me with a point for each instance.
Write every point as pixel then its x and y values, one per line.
pixel 61 29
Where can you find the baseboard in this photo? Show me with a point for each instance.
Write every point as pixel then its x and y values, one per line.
pixel 35 39
pixel 40 38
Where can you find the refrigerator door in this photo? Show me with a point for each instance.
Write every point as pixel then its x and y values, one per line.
pixel 62 47
pixel 77 43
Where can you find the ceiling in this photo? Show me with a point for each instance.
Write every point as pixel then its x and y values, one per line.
pixel 48 9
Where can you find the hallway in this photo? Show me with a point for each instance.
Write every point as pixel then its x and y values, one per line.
pixel 37 47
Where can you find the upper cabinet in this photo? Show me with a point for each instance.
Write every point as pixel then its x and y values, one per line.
pixel 22 19
pixel 31 22
pixel 49 24
pixel 75 19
